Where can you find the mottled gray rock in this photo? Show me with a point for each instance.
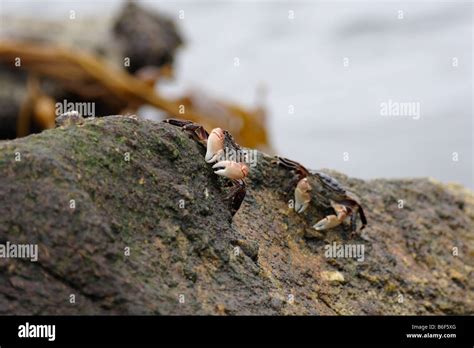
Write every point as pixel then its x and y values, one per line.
pixel 130 246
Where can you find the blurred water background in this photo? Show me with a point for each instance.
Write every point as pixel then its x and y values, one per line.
pixel 327 67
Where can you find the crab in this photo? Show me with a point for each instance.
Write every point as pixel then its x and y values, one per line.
pixel 345 203
pixel 216 143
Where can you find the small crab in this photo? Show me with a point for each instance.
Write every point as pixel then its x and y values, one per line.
pixel 216 143
pixel 344 203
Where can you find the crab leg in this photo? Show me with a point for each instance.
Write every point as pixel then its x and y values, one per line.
pixel 196 130
pixel 176 122
pixel 199 131
pixel 236 195
pixel 332 220
pixel 301 171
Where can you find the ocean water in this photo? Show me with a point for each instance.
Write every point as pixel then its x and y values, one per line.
pixel 372 89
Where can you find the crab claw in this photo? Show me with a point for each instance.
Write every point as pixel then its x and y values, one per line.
pixel 302 195
pixel 231 170
pixel 328 222
pixel 215 145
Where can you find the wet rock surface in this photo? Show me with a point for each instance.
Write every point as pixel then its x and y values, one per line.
pixel 130 219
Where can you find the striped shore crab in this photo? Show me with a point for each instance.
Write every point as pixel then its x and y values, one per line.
pixel 217 143
pixel 344 203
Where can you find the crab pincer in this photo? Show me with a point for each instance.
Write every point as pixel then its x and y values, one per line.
pixel 236 172
pixel 231 170
pixel 216 144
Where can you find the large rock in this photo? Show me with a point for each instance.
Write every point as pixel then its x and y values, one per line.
pixel 186 255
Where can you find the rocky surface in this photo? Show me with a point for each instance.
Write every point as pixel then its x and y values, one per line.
pixel 131 220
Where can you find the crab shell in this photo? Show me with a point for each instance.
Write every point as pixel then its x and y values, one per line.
pixel 302 195
pixel 231 170
pixel 215 145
